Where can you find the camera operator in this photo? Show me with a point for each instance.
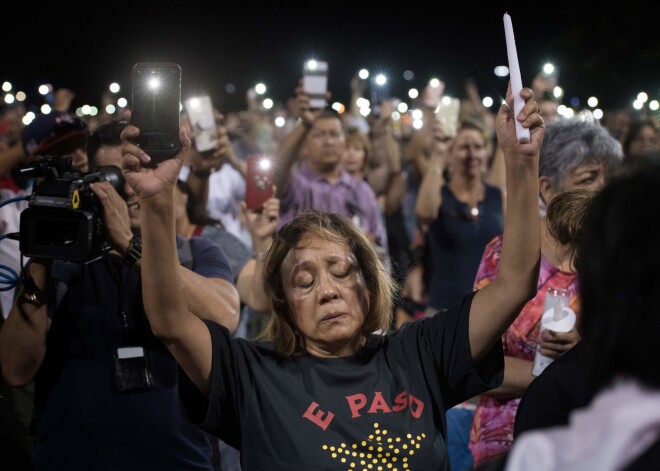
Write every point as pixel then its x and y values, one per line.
pixel 106 389
pixel 58 133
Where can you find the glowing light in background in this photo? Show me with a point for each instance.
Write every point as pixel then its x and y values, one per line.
pixel 548 69
pixel 381 79
pixel 362 102
pixel 434 82
pixel 557 92
pixel 501 71
pixel 586 106
pixel 28 117
pixel 338 107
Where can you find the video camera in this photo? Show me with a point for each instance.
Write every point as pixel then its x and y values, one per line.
pixel 64 218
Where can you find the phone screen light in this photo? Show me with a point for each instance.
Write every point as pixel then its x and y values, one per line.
pixel 264 164
pixel 381 79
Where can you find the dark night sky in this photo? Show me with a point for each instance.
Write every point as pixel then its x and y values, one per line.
pixel 602 52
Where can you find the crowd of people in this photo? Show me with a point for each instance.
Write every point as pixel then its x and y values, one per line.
pixel 382 310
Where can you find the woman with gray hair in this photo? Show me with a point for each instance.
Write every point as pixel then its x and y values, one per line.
pixel 574 155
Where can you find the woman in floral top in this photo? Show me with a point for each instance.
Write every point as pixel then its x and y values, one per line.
pixel 574 155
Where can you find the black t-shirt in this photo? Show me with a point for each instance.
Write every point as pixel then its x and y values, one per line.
pixel 384 406
pixel 554 394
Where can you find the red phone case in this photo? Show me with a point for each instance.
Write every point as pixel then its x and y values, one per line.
pixel 259 184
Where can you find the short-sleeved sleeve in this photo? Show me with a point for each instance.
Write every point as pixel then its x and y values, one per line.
pixel 441 347
pixel 209 260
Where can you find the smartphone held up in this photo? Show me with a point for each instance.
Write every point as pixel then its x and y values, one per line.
pixel 315 82
pixel 156 98
pixel 202 120
pixel 433 92
pixel 448 112
pixel 259 181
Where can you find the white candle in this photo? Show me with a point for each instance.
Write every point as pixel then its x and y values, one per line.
pixel 516 82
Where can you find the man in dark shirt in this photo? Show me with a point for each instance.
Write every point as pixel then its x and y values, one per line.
pixel 106 389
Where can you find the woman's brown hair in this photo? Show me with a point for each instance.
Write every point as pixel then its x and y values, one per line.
pixel 282 329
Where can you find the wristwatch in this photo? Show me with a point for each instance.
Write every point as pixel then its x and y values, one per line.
pixel 134 252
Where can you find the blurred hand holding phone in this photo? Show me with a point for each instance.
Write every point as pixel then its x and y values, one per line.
pixel 259 181
pixel 388 107
pixel 382 115
pixel 202 120
pixel 315 82
pixel 358 85
pixel 156 98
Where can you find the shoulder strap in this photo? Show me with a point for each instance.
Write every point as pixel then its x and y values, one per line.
pixel 63 274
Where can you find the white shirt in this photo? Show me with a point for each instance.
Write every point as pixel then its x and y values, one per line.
pixel 619 424
pixel 10 218
pixel 226 191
